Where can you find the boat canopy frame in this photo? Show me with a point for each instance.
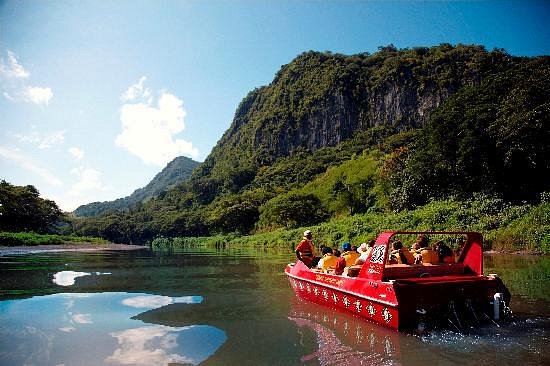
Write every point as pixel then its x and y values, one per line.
pixel 471 255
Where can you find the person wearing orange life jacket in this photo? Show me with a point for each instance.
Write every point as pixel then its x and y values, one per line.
pixel 305 250
pixel 328 260
pixel 422 252
pixel 348 254
pixel 400 256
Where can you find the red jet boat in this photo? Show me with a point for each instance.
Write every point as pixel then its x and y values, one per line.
pixel 404 296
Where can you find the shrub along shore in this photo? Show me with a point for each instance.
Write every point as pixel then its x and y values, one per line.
pixel 523 228
pixel 10 239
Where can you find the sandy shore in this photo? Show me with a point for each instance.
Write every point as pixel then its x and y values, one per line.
pixel 74 247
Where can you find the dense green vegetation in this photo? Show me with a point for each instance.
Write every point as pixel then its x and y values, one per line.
pixel 490 138
pixel 506 227
pixel 178 170
pixel 32 239
pixel 525 276
pixel 22 209
pixel 447 137
pixel 28 219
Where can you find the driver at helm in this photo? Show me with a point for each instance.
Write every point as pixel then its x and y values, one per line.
pixel 305 249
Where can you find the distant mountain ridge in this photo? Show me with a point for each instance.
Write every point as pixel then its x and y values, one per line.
pixel 176 171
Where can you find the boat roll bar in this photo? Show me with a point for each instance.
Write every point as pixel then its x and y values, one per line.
pixel 471 254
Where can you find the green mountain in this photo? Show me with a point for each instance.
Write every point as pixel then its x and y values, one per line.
pixel 177 171
pixel 335 136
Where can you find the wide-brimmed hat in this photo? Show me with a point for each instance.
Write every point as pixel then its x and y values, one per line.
pixel 307 232
pixel 363 247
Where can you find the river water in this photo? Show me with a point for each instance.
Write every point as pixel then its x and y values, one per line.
pixel 232 307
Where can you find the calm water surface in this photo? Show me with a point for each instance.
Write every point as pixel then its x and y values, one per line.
pixel 228 307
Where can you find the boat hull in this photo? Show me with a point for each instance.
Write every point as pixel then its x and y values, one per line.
pixel 400 304
pixel 352 295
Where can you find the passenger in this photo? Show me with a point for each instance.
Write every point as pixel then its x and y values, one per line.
pixel 305 250
pixel 340 263
pixel 361 250
pixel 422 241
pixel 444 253
pixel 364 251
pixel 415 251
pixel 422 252
pixel 396 255
pixel 316 258
pixel 349 255
pixel 400 256
pixel 392 259
pixel 328 260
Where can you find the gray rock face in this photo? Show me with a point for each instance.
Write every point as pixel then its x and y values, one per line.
pixel 399 104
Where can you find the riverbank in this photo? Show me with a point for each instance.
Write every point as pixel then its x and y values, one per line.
pixel 68 247
pixel 522 229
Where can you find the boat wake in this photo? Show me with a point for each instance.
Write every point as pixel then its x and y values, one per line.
pixel 519 336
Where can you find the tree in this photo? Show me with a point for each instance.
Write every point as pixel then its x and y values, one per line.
pixel 292 210
pixel 22 209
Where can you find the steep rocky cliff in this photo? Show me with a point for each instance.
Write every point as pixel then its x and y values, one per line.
pixel 322 99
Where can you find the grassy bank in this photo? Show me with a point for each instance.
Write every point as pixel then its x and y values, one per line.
pixel 506 228
pixel 31 239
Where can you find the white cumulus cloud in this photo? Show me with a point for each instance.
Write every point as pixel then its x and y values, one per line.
pixel 88 180
pixel 12 69
pixel 14 82
pixel 38 95
pixel 28 164
pixel 148 131
pixel 77 153
pixel 136 91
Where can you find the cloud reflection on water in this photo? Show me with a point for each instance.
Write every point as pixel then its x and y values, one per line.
pixel 67 278
pixel 105 322
pixel 157 301
pixel 150 345
pixel 82 318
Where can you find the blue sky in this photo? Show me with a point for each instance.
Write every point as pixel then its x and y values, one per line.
pixel 97 96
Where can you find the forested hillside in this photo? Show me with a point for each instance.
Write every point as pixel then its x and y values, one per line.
pixel 177 171
pixel 335 136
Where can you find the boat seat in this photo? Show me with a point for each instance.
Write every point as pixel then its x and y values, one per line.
pixel 353 271
pixel 395 271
